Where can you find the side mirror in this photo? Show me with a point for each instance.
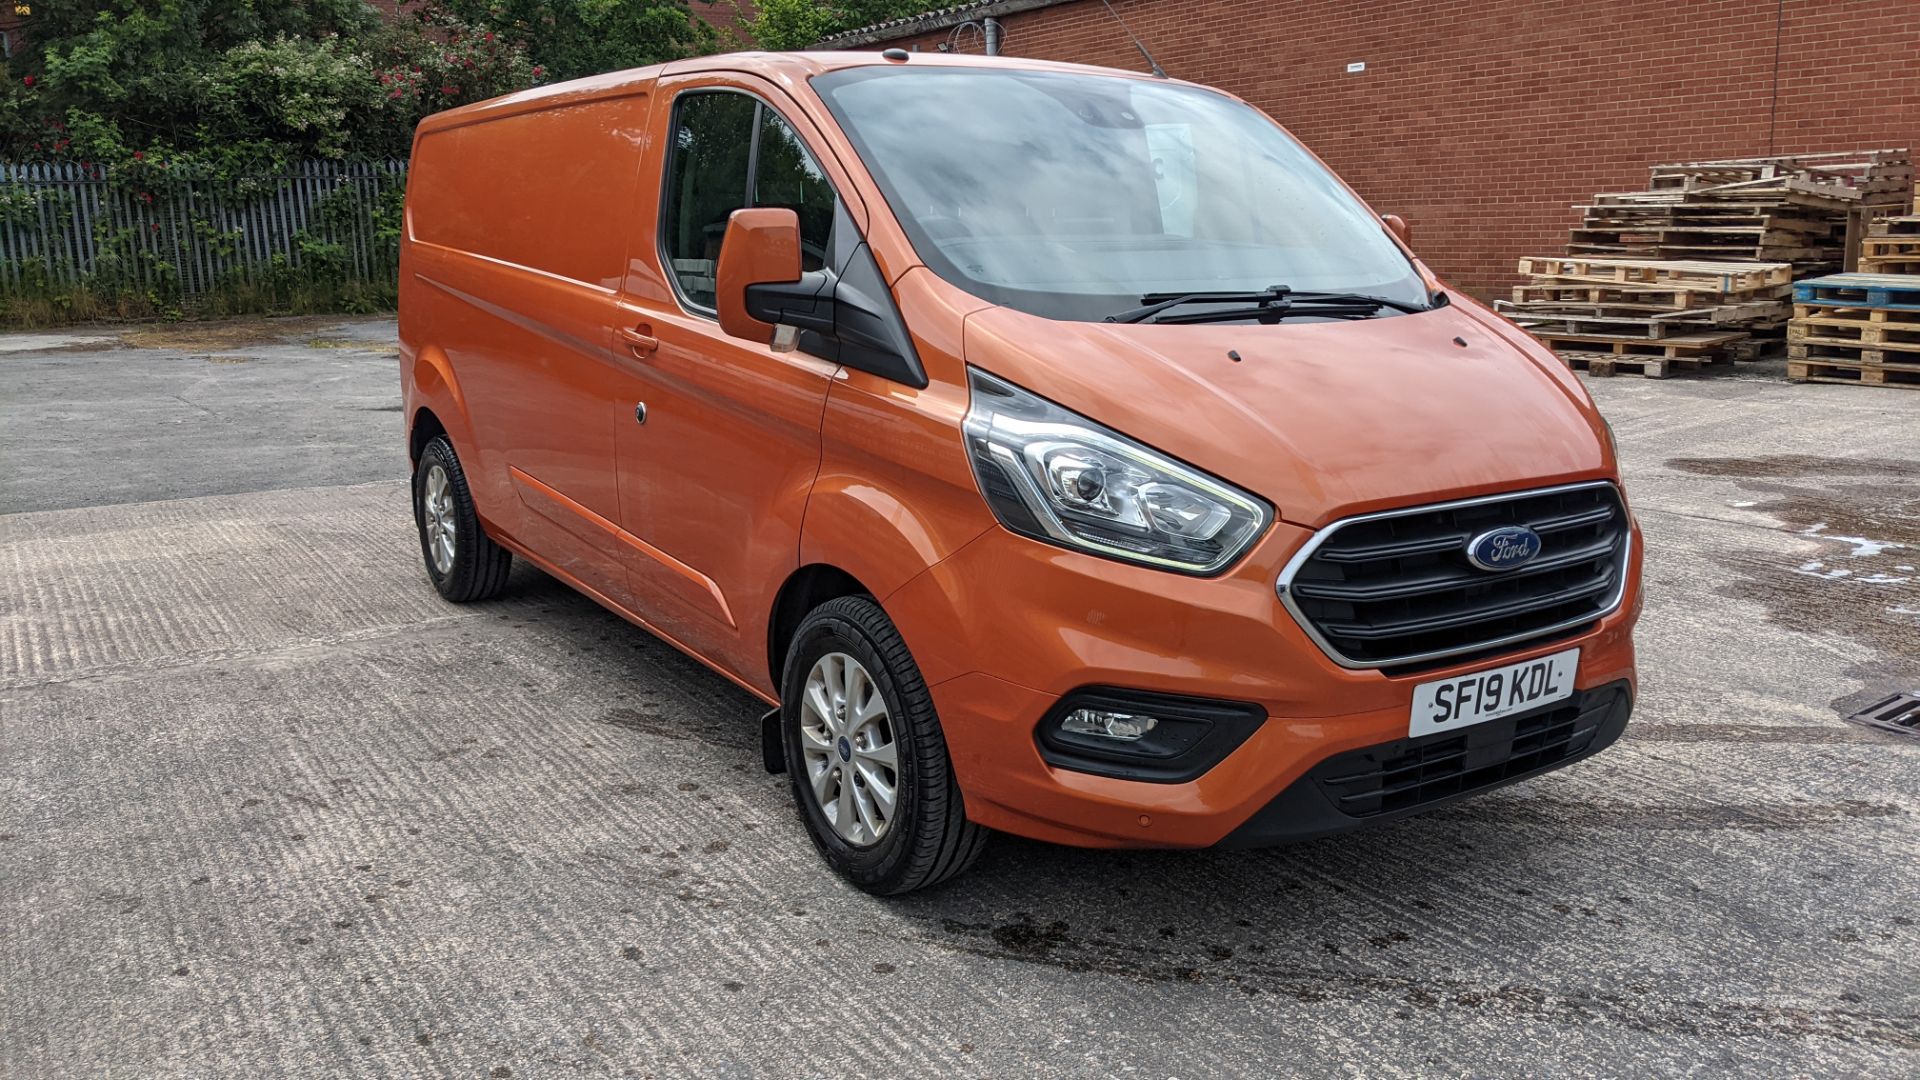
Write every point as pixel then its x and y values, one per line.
pixel 1398 226
pixel 761 246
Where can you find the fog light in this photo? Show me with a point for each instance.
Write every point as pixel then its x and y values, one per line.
pixel 1126 727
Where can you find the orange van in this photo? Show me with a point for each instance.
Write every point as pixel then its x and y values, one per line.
pixel 1056 450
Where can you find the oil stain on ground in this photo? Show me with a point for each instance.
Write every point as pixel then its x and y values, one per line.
pixel 737 734
pixel 1710 817
pixel 1794 466
pixel 1636 1008
pixel 1861 573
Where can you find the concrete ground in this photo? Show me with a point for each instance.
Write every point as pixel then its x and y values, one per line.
pixel 269 807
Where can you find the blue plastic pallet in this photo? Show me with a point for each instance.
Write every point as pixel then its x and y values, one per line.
pixel 1898 292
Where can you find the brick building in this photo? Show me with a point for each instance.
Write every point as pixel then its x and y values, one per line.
pixel 1483 121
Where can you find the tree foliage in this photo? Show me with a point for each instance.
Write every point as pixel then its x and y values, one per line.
pixel 796 24
pixel 571 38
pixel 234 85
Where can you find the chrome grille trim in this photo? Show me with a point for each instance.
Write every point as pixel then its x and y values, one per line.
pixel 1284 586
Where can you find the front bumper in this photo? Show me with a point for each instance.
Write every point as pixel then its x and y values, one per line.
pixel 1007 627
pixel 1409 776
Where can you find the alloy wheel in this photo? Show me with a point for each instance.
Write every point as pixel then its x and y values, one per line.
pixel 437 503
pixel 846 738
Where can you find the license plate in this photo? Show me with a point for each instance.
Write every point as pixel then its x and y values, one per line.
pixel 1465 700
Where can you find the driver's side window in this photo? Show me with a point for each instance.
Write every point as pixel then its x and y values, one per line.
pixel 731 151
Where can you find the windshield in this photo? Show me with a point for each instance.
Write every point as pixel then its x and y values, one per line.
pixel 1075 196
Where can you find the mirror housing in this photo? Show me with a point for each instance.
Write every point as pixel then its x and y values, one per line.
pixel 761 246
pixel 843 312
pixel 1398 226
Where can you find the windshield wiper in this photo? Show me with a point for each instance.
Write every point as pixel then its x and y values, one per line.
pixel 1268 315
pixel 1274 303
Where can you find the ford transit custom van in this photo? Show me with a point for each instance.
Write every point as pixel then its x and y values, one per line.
pixel 1054 450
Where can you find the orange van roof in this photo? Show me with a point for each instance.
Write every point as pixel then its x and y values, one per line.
pixel 795 66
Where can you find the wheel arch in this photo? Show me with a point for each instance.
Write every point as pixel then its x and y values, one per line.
pixel 434 394
pixel 806 588
pixel 421 430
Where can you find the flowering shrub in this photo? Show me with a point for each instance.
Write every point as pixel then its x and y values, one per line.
pixel 438 62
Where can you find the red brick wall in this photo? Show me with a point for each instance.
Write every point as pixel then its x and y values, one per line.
pixel 1483 121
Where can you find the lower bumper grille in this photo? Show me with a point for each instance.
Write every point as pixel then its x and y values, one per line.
pixel 1412 773
pixel 1392 780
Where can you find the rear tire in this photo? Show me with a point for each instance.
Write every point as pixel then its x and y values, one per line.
pixel 857 721
pixel 463 562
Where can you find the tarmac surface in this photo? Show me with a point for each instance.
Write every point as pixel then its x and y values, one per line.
pixel 269 807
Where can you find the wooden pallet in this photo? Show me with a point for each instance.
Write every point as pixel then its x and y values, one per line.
pixel 1909 267
pixel 1801 257
pixel 1650 297
pixel 1693 214
pixel 1899 246
pixel 1859 374
pixel 1543 316
pixel 1854 326
pixel 1650 233
pixel 1865 339
pixel 1602 365
pixel 1807 210
pixel 1897 292
pixel 1859 175
pixel 1852 352
pixel 1674 274
pixel 1896 226
pixel 1681 346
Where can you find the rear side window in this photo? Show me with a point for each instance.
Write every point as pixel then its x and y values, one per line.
pixel 731 151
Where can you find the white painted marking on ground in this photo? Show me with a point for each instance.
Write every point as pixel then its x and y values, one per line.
pixel 1862 546
pixel 1816 569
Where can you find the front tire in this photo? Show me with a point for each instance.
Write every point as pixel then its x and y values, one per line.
pixel 463 562
pixel 865 755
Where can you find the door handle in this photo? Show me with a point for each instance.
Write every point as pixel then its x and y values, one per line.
pixel 640 340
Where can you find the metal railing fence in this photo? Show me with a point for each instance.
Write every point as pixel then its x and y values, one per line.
pixel 64 225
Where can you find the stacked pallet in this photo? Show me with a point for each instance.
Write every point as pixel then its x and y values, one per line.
pixel 1792 209
pixel 1649 316
pixel 1892 246
pixel 1875 178
pixel 1856 328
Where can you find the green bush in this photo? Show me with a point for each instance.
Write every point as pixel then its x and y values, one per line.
pixel 161 96
pixel 796 24
pixel 233 86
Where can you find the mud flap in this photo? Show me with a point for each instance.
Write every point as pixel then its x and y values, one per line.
pixel 773 753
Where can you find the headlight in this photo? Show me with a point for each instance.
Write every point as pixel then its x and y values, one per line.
pixel 1056 476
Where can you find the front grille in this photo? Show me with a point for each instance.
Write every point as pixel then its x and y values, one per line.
pixel 1397 589
pixel 1412 773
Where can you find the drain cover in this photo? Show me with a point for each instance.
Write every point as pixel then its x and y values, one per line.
pixel 1900 713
